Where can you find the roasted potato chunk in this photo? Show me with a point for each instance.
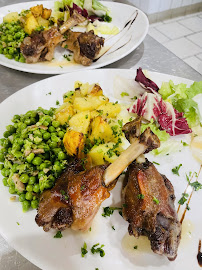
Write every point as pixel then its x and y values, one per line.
pixel 101 130
pixel 80 122
pixel 42 22
pixel 102 153
pixel 64 113
pixel 46 13
pixel 109 109
pixel 96 91
pixel 89 103
pixel 37 10
pixel 30 24
pixel 11 17
pixel 74 143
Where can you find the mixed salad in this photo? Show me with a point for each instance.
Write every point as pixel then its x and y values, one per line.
pixel 39 144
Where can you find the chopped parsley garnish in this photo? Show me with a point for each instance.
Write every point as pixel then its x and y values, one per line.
pixel 187 207
pixel 96 268
pixel 86 116
pixel 120 122
pixel 123 94
pixel 196 185
pixel 108 211
pixel 140 196
pixel 176 169
pixel 183 199
pixel 113 228
pixel 130 119
pixel 68 94
pixel 60 66
pixel 58 235
pixel 100 112
pixel 57 102
pixel 82 187
pixel 98 249
pixel 120 213
pixel 90 229
pixel 184 143
pixel 156 163
pixel 62 192
pixel 66 57
pixel 48 93
pixel 155 200
pixel 84 250
pixel 66 46
pixel 135 247
pixel 134 98
pixel 18 223
pixel 125 205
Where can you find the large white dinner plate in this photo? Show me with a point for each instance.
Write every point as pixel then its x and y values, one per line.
pixel 57 254
pixel 120 45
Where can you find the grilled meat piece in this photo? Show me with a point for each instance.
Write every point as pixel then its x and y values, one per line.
pixel 41 46
pixel 85 46
pixel 78 193
pixel 74 20
pixel 74 200
pixel 156 219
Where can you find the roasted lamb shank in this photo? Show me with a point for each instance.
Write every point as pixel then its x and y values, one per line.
pixel 78 193
pixel 149 199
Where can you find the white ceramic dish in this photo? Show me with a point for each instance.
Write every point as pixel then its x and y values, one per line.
pixel 65 253
pixel 120 45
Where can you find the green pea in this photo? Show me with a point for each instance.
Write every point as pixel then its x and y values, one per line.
pixel 22 197
pixel 7 134
pixel 41 174
pixel 46 136
pixel 57 168
pixel 8 56
pixel 2 157
pixel 32 180
pixel 18 154
pixel 55 124
pixel 37 161
pixel 61 134
pixel 57 150
pixel 51 129
pixel 43 166
pixel 30 157
pixel 2 141
pixel 12 190
pixel 16 118
pixel 53 145
pixel 3 150
pixel 29 188
pixel 11 128
pixel 36 188
pixel 20 141
pixel 14 167
pixel 5 172
pixel 5 181
pixel 28 196
pixel 62 155
pixel 55 138
pixel 34 204
pixel 22 59
pixel 24 178
pixel 16 147
pixel 25 205
pixel 1 166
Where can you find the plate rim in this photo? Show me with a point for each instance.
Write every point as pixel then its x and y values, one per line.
pixel 82 68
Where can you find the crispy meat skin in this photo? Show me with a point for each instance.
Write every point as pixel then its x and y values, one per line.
pixel 85 191
pixel 85 46
pixel 157 221
pixel 41 46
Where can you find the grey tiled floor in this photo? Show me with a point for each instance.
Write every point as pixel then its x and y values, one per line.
pixel 182 36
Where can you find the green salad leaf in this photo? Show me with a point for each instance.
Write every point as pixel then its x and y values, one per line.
pixel 181 98
pixel 162 134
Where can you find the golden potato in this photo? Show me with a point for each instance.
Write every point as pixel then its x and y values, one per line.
pixel 101 130
pixel 80 122
pixel 64 113
pixel 42 22
pixel 89 103
pixel 30 24
pixel 102 153
pixel 74 143
pixel 11 17
pixel 96 90
pixel 37 10
pixel 46 13
pixel 110 109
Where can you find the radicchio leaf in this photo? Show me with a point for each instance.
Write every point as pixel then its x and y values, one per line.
pixel 81 11
pixel 145 82
pixel 152 106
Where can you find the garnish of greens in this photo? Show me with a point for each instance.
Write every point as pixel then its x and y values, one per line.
pixel 33 155
pixel 84 250
pixel 58 235
pixel 108 211
pixel 96 249
pixel 176 169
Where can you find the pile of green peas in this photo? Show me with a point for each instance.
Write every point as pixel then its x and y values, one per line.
pixel 32 151
pixel 11 37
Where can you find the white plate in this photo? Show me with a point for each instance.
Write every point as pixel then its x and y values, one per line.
pixel 53 254
pixel 121 45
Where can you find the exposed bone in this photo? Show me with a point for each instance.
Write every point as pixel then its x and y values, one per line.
pixel 147 142
pixel 75 19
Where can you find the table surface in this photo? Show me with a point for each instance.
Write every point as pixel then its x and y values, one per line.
pixel 149 55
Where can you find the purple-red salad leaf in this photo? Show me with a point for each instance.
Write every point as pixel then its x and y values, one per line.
pixel 145 82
